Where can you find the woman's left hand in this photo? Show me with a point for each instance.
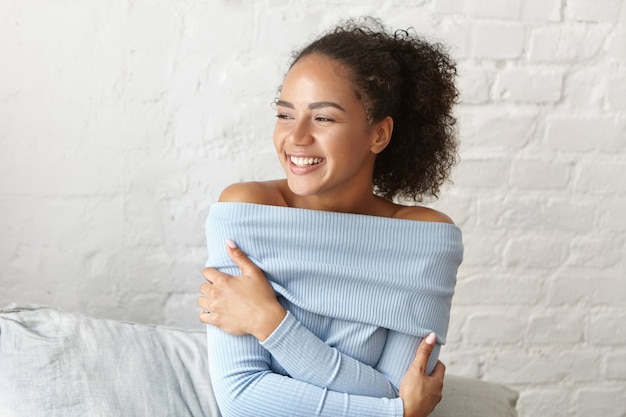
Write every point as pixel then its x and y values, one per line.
pixel 241 304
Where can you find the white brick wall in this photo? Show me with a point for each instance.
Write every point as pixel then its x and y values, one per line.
pixel 121 121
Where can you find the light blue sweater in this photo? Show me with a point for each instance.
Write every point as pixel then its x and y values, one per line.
pixel 361 292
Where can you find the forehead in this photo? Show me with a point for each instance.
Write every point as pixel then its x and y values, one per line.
pixel 319 74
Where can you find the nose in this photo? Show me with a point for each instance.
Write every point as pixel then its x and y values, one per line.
pixel 300 133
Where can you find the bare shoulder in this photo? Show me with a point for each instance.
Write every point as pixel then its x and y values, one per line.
pixel 257 192
pixel 424 214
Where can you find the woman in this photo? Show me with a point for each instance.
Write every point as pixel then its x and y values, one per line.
pixel 319 286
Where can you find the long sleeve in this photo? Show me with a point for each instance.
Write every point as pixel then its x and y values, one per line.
pixel 245 385
pixel 395 276
pixel 377 262
pixel 307 358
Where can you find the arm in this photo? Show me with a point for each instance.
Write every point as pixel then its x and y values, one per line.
pixel 246 304
pixel 245 385
pixel 307 358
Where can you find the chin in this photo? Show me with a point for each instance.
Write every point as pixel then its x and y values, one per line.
pixel 299 189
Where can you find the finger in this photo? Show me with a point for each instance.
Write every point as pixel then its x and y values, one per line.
pixel 205 288
pixel 210 273
pixel 203 303
pixel 205 317
pixel 214 276
pixel 439 371
pixel 423 353
pixel 241 259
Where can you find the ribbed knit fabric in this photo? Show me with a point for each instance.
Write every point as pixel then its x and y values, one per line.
pixel 361 292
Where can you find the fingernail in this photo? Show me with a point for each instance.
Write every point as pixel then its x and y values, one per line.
pixel 431 339
pixel 231 244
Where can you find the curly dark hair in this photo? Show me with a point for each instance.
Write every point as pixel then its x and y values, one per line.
pixel 401 75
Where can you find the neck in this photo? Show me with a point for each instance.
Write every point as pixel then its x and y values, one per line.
pixel 353 202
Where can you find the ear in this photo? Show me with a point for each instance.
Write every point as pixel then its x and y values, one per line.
pixel 382 134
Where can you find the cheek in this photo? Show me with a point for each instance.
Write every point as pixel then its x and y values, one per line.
pixel 276 138
pixel 279 146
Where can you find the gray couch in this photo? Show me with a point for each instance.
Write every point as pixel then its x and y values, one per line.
pixel 55 363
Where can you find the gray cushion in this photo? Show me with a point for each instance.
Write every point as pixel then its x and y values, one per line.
pixel 466 397
pixel 55 363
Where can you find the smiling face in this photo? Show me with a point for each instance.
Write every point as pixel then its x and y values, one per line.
pixel 322 137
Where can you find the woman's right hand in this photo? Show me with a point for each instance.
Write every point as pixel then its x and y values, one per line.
pixel 419 391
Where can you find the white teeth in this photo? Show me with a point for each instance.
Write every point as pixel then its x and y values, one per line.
pixel 301 162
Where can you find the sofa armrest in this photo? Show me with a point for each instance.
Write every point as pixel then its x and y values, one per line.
pixel 59 364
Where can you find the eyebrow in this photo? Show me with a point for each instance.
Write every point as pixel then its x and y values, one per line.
pixel 311 106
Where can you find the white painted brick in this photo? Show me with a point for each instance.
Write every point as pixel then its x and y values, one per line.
pixel 566 43
pixel 475 84
pixel 601 178
pixel 495 9
pixel 615 46
pixel 493 329
pixel 570 290
pixel 63 172
pixel 148 76
pixel 234 20
pixel 406 15
pixel 458 318
pixel 450 6
pixel 535 251
pixel 146 307
pixel 123 126
pixel 395 3
pixel 481 173
pixel 179 310
pixel 503 129
pixel 555 328
pixel 595 291
pixel 17 259
pixel 607 329
pixel 545 402
pixel 528 86
pixel 491 210
pixel 609 291
pixel 482 248
pixel 615 366
pixel 188 127
pixel 548 10
pixel 166 275
pixel 121 122
pixel 465 364
pixel 613 215
pixel 584 252
pixel 608 402
pixel 78 222
pixel 541 368
pixel 462 210
pixel 594 11
pixel 526 212
pixel 498 290
pixel 453 31
pixel 586 133
pixel 616 95
pixel 587 87
pixel 567 216
pixel 539 174
pixel 498 40
pixel 71 33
